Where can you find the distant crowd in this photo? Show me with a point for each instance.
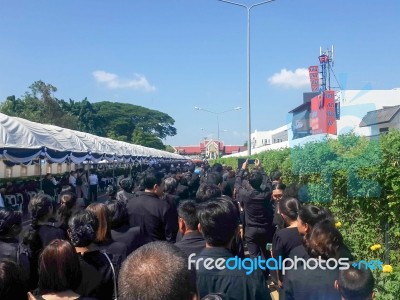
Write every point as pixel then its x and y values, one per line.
pixel 168 233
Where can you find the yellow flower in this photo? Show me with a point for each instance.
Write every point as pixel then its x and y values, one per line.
pixel 375 247
pixel 387 269
pixel 338 224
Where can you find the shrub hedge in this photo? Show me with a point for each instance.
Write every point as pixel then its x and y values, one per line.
pixel 358 179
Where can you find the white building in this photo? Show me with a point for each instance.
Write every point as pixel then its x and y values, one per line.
pixel 265 138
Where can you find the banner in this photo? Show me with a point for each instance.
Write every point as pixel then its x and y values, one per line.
pixel 323 113
pixel 314 78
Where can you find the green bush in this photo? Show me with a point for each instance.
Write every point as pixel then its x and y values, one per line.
pixel 359 181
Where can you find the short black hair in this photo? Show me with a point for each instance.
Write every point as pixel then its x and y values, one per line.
pixel 256 179
pixel 276 175
pixel 214 178
pixel 356 283
pixel 83 227
pixel 187 211
pixel 118 213
pixel 217 167
pixel 219 220
pixel 157 270
pixel 311 214
pixel 207 191
pixel 152 178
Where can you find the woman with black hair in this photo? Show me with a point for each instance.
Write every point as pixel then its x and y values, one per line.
pixel 309 216
pixel 276 196
pixel 104 239
pixel 59 273
pixel 287 238
pixel 314 277
pixel 10 228
pixel 12 281
pixel 99 274
pixel 126 190
pixel 42 231
pixel 132 237
pixel 68 206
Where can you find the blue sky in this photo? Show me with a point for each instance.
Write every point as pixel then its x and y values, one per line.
pixel 177 54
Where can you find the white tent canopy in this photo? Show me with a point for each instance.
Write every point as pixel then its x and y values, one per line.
pixel 22 140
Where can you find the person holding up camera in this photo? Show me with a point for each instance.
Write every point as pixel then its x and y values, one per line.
pixel 255 198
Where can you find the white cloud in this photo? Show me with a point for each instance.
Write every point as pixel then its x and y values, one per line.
pixel 113 81
pixel 291 79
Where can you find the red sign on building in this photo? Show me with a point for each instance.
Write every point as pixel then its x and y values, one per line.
pixel 314 78
pixel 323 113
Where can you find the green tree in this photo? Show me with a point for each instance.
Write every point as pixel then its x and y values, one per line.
pixel 120 121
pixel 143 138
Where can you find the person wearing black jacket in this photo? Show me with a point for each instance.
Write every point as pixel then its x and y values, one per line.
pixel 192 240
pixel 132 237
pixel 97 274
pixel 10 228
pixel 153 215
pixel 218 224
pixel 255 197
pixel 48 185
pixel 42 231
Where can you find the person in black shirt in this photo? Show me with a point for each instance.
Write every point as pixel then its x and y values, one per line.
pixel 276 196
pixel 287 238
pixel 132 237
pixel 170 186
pixel 257 209
pixel 192 241
pixel 208 192
pixel 48 185
pixel 321 243
pixel 218 224
pixel 153 215
pixel 97 274
pixel 68 206
pixel 59 272
pixel 356 283
pixel 309 216
pixel 104 239
pixel 10 228
pixel 125 193
pixel 42 231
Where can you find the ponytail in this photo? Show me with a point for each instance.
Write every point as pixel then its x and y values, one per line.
pixel 39 206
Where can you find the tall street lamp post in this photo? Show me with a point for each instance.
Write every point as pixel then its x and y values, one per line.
pixel 248 8
pixel 217 114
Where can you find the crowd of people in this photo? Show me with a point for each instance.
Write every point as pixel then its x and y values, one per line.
pixel 168 233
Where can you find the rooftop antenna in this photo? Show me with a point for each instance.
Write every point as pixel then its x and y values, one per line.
pixel 326 63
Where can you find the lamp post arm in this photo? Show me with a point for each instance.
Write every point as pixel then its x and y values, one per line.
pixel 234 3
pixel 257 4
